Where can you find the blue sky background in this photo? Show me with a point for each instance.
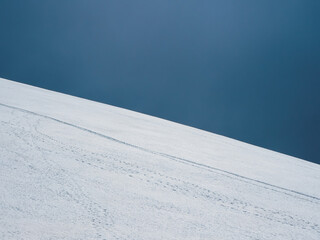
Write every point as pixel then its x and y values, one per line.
pixel 249 70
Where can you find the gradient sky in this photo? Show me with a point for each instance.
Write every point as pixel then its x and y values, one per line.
pixel 249 70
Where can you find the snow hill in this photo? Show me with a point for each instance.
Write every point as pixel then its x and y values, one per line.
pixel 71 168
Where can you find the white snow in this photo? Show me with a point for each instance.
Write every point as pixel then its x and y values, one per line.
pixel 71 168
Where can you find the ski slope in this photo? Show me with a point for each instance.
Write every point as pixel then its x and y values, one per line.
pixel 71 168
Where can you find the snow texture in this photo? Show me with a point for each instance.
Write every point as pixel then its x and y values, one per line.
pixel 71 168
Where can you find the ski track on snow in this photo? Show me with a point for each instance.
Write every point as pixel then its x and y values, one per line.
pixel 182 160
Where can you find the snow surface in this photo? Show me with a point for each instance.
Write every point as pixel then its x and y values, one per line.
pixel 71 168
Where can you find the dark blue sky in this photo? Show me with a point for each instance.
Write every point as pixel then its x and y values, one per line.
pixel 245 69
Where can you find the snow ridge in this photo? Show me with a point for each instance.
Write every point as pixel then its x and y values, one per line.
pixel 76 169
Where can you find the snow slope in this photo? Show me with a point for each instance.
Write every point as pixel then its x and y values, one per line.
pixel 71 168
